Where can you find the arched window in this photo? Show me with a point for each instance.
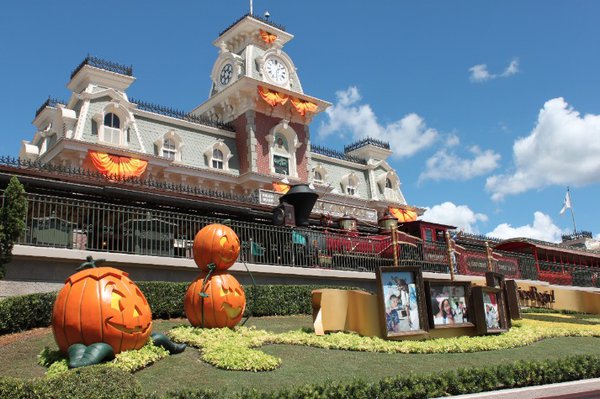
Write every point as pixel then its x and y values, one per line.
pixel 388 183
pixel 112 129
pixel 169 146
pixel 218 156
pixel 281 155
pixel 217 159
pixel 317 177
pixel 283 143
pixel 350 184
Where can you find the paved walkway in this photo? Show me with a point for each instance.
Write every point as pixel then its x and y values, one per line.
pixel 583 389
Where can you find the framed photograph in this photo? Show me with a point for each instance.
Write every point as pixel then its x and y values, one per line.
pixel 401 301
pixel 448 303
pixel 493 279
pixel 489 310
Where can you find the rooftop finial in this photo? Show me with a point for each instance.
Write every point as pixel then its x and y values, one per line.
pixel 251 8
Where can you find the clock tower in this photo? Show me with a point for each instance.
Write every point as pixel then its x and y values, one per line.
pixel 256 88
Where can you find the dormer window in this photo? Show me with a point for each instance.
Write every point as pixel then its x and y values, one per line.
pixel 350 184
pixel 217 159
pixel 169 146
pixel 317 177
pixel 169 149
pixel 112 129
pixel 218 156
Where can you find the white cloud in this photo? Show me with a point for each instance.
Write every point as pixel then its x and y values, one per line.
pixel 512 68
pixel 460 216
pixel 406 136
pixel 444 165
pixel 542 229
pixel 480 73
pixel 562 149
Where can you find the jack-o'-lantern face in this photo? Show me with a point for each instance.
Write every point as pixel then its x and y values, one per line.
pixel 101 305
pixel 223 302
pixel 126 310
pixel 216 244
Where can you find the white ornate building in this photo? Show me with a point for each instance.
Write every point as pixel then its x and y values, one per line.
pixel 252 131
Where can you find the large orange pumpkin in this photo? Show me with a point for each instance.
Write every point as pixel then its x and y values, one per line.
pixel 224 301
pixel 216 244
pixel 101 305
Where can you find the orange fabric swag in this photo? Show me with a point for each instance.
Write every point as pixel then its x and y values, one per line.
pixel 272 98
pixel 114 165
pixel 267 37
pixel 403 215
pixel 281 188
pixel 304 106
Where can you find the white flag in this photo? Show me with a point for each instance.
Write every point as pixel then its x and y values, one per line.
pixel 566 204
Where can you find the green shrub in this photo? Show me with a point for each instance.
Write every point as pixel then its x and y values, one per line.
pixel 24 312
pixel 165 298
pixel 109 382
pixel 96 382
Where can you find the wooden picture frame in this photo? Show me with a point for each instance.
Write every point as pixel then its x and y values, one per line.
pixel 456 295
pixel 401 299
pixel 493 279
pixel 512 299
pixel 489 309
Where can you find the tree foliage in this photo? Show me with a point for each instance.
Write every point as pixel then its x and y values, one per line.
pixel 12 219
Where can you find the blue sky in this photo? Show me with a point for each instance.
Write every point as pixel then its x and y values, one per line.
pixel 492 108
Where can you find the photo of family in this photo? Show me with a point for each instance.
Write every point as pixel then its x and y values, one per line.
pixel 490 305
pixel 401 300
pixel 448 304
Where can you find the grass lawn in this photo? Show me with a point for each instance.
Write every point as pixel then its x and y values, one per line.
pixel 300 364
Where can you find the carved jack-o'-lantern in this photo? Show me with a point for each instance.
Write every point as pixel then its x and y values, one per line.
pixel 101 305
pixel 216 244
pixel 224 301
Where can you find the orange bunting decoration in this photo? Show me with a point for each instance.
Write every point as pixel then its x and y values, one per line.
pixel 101 305
pixel 221 300
pixel 267 37
pixel 403 215
pixel 304 106
pixel 116 166
pixel 216 244
pixel 281 188
pixel 272 98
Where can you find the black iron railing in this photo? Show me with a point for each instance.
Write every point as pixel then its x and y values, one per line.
pixel 577 235
pixel 179 114
pixel 261 19
pixel 50 102
pixel 367 141
pixel 87 175
pixel 71 223
pixel 328 152
pixel 104 64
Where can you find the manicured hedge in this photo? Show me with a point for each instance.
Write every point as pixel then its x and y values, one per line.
pixel 106 382
pixel 166 300
pixel 19 313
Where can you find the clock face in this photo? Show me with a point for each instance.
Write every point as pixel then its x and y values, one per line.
pixel 276 70
pixel 226 74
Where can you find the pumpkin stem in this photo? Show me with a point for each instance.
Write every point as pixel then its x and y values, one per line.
pixel 226 222
pixel 90 263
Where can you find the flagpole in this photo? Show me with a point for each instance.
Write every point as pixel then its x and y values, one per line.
pixel 572 214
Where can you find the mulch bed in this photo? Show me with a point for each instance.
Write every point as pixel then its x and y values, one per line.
pixel 36 332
